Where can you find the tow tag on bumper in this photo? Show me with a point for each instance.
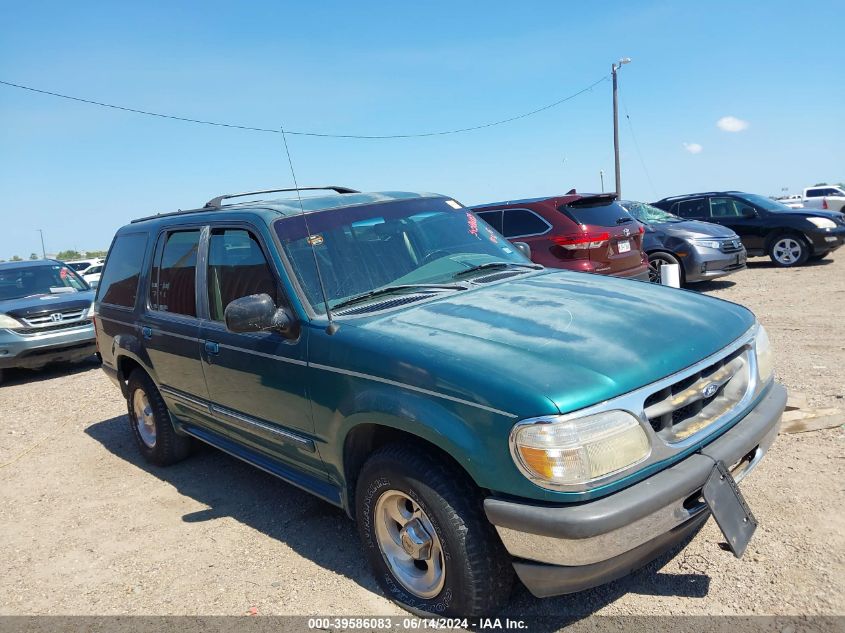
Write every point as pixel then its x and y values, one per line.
pixel 732 514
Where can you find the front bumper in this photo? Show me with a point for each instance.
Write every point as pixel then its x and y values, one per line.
pixel 564 549
pixel 36 351
pixel 703 264
pixel 827 240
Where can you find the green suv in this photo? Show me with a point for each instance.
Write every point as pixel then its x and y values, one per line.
pixel 474 413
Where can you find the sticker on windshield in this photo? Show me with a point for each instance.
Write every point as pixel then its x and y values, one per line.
pixel 472 223
pixel 507 250
pixel 315 240
pixel 453 204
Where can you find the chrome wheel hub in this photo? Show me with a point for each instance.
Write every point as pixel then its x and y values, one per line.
pixel 787 250
pixel 409 544
pixel 144 418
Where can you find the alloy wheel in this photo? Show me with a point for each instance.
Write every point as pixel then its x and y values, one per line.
pixel 144 418
pixel 409 544
pixel 787 251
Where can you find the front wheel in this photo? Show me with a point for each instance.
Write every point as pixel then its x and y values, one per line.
pixel 426 536
pixel 787 251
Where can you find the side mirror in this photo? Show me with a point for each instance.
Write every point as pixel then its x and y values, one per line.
pixel 257 313
pixel 523 248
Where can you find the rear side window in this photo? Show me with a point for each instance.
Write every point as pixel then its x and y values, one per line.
pixel 493 218
pixel 236 268
pixel 814 193
pixel 173 278
pixel 522 223
pixel 596 214
pixel 119 284
pixel 695 208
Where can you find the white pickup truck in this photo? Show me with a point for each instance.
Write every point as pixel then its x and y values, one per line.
pixel 831 197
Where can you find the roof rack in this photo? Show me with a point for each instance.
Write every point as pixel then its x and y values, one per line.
pixel 216 203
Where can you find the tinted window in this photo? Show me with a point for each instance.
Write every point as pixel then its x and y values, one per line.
pixel 814 193
pixel 493 218
pixel 236 268
pixel 78 266
pixel 596 214
pixel 119 283
pixel 724 208
pixel 173 283
pixel 519 222
pixel 695 208
pixel 93 270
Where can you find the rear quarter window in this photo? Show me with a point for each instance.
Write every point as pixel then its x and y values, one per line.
pixel 119 282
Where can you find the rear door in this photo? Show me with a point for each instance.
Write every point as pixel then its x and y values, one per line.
pixel 170 325
pixel 617 244
pixel 256 381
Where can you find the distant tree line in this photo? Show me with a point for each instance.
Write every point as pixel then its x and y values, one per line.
pixel 64 256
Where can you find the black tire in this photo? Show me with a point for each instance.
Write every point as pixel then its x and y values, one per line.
pixel 789 250
pixel 167 446
pixel 478 575
pixel 1 376
pixel 656 260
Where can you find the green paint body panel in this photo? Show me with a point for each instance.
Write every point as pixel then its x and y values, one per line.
pixel 457 370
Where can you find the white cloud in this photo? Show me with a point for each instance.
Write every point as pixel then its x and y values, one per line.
pixel 731 124
pixel 693 148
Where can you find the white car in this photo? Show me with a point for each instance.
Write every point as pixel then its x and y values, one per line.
pixel 79 265
pixel 92 274
pixel 829 197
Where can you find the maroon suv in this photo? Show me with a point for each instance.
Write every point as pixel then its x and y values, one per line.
pixel 585 232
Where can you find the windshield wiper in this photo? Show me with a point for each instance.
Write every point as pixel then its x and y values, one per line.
pixel 473 269
pixel 388 289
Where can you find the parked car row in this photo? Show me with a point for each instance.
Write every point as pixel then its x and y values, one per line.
pixel 479 416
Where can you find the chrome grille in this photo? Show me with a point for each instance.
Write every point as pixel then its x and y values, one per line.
pixel 54 317
pixel 53 327
pixel 731 245
pixel 690 405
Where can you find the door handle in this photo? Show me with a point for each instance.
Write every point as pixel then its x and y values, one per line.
pixel 212 348
pixel 147 332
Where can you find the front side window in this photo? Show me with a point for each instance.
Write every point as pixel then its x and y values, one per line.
pixel 236 268
pixel 368 247
pixel 173 276
pixel 695 208
pixel 119 283
pixel 523 223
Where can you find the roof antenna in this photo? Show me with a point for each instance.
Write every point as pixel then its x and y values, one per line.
pixel 332 327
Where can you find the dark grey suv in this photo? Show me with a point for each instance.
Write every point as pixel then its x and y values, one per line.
pixel 703 250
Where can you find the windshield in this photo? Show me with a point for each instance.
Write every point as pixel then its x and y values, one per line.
pixel 365 247
pixel 766 203
pixel 647 214
pixel 27 281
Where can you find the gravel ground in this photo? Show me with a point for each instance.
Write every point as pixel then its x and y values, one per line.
pixel 87 528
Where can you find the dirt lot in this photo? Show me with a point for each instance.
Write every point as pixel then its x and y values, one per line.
pixel 87 528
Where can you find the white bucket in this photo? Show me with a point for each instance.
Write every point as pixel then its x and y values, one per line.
pixel 670 275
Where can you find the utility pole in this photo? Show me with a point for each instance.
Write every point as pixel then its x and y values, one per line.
pixel 601 175
pixel 613 69
pixel 43 251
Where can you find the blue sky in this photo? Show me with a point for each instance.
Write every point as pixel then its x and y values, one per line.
pixel 80 172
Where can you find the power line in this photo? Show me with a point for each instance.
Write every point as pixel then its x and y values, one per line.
pixel 639 153
pixel 305 133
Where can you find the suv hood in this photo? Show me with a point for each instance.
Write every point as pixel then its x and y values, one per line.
pixel 564 338
pixel 693 229
pixel 46 303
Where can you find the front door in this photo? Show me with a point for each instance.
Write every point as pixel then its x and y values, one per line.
pixel 741 218
pixel 256 381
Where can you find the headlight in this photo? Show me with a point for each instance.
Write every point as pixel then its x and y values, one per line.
pixel 708 243
pixel 765 358
pixel 7 322
pixel 89 311
pixel 555 452
pixel 823 223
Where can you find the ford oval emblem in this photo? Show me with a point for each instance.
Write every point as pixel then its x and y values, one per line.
pixel 710 390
